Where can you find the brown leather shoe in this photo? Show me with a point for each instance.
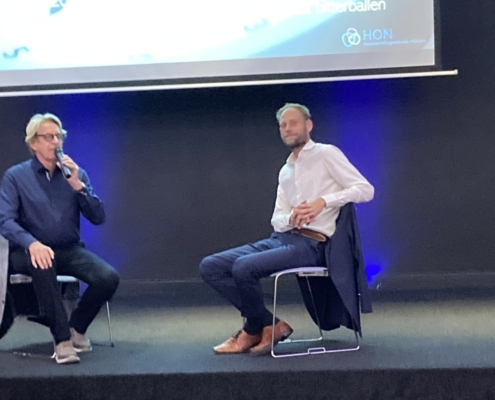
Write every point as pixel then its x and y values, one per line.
pixel 282 332
pixel 241 342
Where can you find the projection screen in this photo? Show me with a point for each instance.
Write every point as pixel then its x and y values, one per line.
pixel 54 44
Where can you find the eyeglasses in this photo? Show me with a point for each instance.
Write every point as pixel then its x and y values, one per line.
pixel 50 136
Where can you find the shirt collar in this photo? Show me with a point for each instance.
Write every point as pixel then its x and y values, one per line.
pixel 307 146
pixel 36 164
pixel 40 168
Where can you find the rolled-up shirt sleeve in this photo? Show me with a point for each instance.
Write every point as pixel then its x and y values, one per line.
pixel 282 212
pixel 356 188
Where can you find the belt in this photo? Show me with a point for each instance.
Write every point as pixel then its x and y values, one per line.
pixel 320 237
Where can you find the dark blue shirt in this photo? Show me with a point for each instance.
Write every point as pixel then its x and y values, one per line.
pixel 37 207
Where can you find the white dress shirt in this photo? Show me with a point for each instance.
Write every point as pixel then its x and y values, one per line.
pixel 320 170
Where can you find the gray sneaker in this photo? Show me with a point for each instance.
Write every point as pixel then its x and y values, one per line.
pixel 79 341
pixel 65 353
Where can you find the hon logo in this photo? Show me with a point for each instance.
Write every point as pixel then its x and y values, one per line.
pixel 377 34
pixel 351 38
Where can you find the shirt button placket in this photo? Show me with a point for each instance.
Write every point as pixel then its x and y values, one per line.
pixel 298 189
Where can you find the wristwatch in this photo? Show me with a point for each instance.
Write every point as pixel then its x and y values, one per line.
pixel 83 191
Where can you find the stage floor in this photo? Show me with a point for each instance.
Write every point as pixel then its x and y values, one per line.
pixel 170 333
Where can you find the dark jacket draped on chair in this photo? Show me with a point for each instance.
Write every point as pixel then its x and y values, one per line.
pixel 344 295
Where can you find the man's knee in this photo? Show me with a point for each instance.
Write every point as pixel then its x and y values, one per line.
pixel 244 269
pixel 112 280
pixel 106 280
pixel 207 268
pixel 43 276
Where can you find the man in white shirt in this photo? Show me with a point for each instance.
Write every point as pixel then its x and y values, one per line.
pixel 314 183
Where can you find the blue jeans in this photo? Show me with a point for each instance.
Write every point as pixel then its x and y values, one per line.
pixel 76 261
pixel 236 273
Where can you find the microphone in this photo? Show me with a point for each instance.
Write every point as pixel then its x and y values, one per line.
pixel 59 153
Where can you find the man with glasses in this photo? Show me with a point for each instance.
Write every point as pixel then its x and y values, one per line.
pixel 40 217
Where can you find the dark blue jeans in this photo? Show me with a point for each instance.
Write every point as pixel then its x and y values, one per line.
pixel 236 273
pixel 76 261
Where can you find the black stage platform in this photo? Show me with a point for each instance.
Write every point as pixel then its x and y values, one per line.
pixel 428 344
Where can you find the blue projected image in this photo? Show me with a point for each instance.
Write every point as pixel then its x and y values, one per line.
pixel 82 41
pixel 75 33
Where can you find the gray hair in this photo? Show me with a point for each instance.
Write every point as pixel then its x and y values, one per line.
pixel 302 109
pixel 35 122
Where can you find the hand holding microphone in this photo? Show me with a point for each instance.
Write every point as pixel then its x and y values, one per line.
pixel 59 153
pixel 70 170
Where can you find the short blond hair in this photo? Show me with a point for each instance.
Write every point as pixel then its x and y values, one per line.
pixel 35 122
pixel 301 108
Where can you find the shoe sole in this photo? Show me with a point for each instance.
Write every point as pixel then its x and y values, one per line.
pixel 83 349
pixel 67 360
pixel 230 352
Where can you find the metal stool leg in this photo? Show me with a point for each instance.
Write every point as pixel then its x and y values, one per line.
pixel 109 325
pixel 316 350
pixel 310 271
